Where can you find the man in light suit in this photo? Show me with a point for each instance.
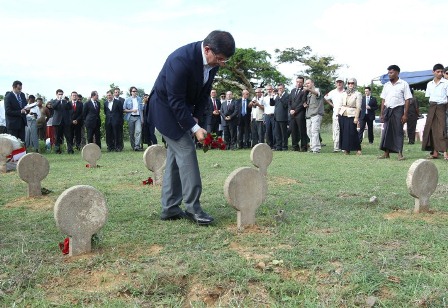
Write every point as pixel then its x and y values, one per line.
pixel 15 112
pixel 178 98
pixel 113 110
pixel 92 120
pixel 367 116
pixel 230 113
pixel 61 121
pixel 133 107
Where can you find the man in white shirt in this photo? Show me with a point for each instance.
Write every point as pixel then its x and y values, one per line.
pixel 334 99
pixel 133 106
pixel 434 135
pixel 269 120
pixel 394 109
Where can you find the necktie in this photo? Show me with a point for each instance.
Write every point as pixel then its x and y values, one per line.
pixel 367 104
pixel 94 105
pixel 243 111
pixel 214 104
pixel 228 103
pixel 19 100
pixel 74 106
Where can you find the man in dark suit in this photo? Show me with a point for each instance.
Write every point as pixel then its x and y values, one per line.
pixel 281 102
pixel 297 112
pixel 367 115
pixel 244 121
pixel 117 96
pixel 113 109
pixel 214 117
pixel 178 98
pixel 92 120
pixel 15 112
pixel 76 121
pixel 62 121
pixel 230 113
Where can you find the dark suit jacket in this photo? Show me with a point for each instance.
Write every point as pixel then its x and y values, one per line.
pixel 62 113
pixel 179 94
pixel 91 115
pixel 211 118
pixel 76 114
pixel 281 108
pixel 373 106
pixel 114 117
pixel 15 119
pixel 248 110
pixel 233 110
pixel 296 101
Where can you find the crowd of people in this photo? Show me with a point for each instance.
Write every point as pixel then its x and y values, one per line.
pixel 272 116
pixel 75 122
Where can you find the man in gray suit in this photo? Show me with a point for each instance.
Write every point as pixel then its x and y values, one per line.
pixel 62 121
pixel 281 118
pixel 230 111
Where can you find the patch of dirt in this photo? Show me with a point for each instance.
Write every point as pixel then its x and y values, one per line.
pixel 391 245
pixel 430 217
pixel 280 181
pixel 226 295
pixel 302 276
pixel 347 195
pixel 248 253
pixel 324 231
pixel 35 203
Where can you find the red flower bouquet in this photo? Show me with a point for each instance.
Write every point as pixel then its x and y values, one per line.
pixel 213 142
pixel 149 181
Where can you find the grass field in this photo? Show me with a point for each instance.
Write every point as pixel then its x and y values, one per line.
pixel 334 248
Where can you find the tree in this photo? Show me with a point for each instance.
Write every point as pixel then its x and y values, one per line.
pixel 321 69
pixel 246 70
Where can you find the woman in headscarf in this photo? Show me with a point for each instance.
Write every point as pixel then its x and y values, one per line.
pixel 348 118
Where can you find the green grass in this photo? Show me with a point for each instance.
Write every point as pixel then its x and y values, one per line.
pixel 335 249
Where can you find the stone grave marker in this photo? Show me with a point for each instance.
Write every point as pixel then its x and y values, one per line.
pixel 261 157
pixel 6 148
pixel 91 153
pixel 33 168
pixel 154 159
pixel 80 212
pixel 246 188
pixel 422 181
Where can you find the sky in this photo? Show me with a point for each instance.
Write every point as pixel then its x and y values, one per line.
pixel 87 45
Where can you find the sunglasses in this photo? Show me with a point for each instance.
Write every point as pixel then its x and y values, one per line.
pixel 350 83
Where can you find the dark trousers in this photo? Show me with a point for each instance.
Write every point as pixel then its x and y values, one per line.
pixel 114 139
pixel 94 132
pixel 270 129
pixel 244 132
pixel 75 132
pixel 230 135
pixel 62 131
pixel 18 133
pixel 411 124
pixel 2 129
pixel 297 125
pixel 281 135
pixel 362 125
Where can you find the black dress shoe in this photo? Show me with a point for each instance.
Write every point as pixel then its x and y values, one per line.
pixel 181 215
pixel 201 219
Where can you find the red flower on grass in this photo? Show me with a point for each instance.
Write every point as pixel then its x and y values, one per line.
pixel 213 142
pixel 149 181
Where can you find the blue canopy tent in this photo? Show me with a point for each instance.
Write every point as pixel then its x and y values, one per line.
pixel 417 80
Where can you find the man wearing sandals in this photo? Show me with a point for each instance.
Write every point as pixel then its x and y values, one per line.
pixel 394 109
pixel 434 135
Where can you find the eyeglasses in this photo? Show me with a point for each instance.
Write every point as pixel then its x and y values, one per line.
pixel 350 83
pixel 218 59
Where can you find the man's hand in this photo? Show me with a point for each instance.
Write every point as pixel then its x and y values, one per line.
pixel 292 111
pixel 200 134
pixel 404 119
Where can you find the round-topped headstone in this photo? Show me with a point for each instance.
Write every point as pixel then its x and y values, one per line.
pixel 245 189
pixel 6 148
pixel 33 168
pixel 80 211
pixel 422 180
pixel 261 157
pixel 154 159
pixel 91 153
